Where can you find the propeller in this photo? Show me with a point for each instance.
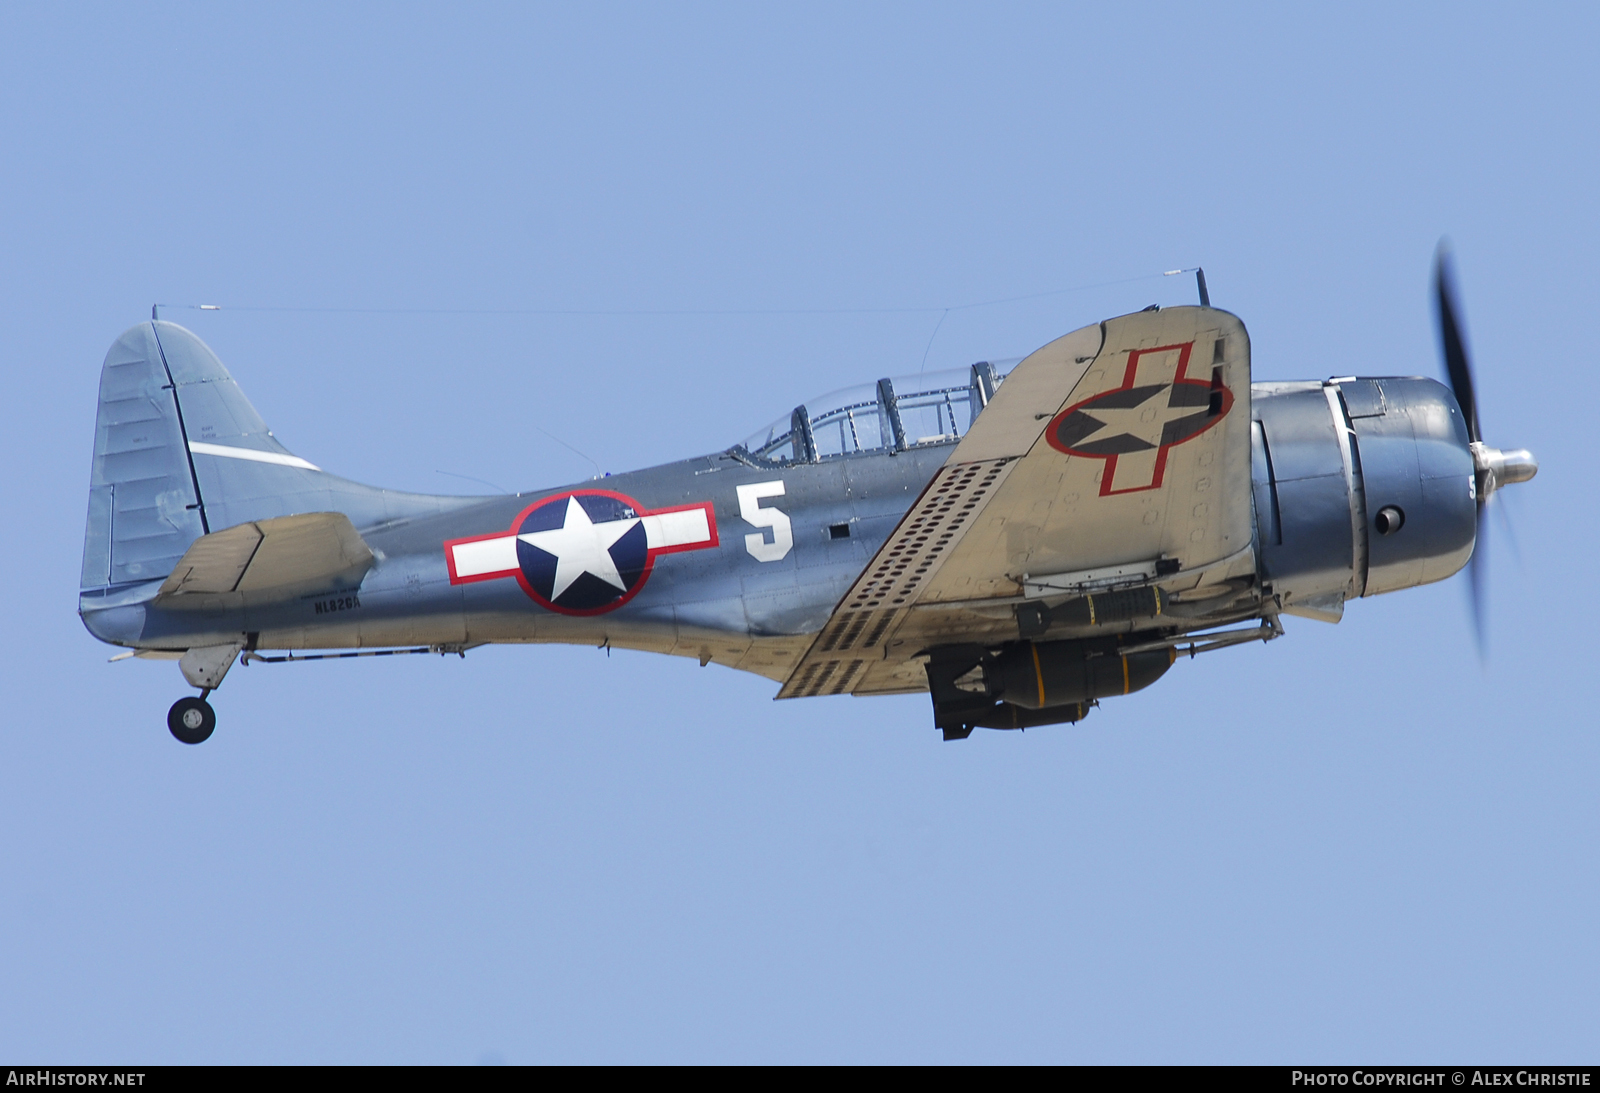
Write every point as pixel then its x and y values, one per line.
pixel 1492 467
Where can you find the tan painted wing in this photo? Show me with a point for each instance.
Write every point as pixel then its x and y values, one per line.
pixel 1118 453
pixel 268 559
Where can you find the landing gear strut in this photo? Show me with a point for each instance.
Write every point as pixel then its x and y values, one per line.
pixel 192 719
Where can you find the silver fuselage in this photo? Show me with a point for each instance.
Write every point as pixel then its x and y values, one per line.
pixel 1328 457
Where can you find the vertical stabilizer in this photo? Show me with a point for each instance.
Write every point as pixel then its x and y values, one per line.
pixel 144 507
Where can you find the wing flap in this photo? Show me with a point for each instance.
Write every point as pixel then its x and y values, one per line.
pixel 853 640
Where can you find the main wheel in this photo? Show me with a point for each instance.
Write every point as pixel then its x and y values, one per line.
pixel 191 720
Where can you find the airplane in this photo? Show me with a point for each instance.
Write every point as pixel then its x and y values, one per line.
pixel 1018 542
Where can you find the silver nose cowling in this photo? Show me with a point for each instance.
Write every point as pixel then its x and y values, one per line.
pixel 1496 468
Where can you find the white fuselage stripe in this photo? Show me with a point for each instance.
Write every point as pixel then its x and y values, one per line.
pixel 200 448
pixel 687 527
pixel 485 556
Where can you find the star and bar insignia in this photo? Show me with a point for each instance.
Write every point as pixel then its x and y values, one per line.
pixel 1132 427
pixel 582 552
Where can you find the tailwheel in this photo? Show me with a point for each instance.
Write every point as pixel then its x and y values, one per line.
pixel 192 720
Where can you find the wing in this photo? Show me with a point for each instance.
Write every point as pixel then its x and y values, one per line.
pixel 1117 455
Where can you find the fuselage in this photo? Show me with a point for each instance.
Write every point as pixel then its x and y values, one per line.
pixel 766 551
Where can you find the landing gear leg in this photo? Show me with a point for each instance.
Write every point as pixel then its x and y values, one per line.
pixel 192 720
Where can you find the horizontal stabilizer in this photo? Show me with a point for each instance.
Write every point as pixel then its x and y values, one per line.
pixel 268 559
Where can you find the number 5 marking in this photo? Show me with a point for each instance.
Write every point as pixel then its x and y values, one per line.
pixel 753 514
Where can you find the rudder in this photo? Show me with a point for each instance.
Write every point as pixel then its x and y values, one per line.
pixel 144 502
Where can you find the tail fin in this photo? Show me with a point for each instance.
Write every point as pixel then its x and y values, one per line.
pixel 179 452
pixel 144 503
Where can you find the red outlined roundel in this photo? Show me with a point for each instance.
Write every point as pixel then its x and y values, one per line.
pixel 582 552
pixel 1134 426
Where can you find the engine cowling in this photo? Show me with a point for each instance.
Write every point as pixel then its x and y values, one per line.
pixel 1361 486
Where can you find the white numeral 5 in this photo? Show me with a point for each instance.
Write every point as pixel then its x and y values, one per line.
pixel 753 514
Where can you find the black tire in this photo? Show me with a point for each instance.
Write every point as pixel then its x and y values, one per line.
pixel 192 720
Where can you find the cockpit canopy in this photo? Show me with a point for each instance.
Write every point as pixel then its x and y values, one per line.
pixel 894 414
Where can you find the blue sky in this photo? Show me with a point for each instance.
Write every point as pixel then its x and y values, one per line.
pixel 1356 844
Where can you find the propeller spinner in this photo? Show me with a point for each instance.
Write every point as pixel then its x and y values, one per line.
pixel 1493 467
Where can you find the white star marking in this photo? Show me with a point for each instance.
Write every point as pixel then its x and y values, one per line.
pixel 581 546
pixel 1133 420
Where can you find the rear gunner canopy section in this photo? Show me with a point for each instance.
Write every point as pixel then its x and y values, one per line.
pixel 892 415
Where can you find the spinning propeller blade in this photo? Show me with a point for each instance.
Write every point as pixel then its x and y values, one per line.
pixel 1454 345
pixel 1493 467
